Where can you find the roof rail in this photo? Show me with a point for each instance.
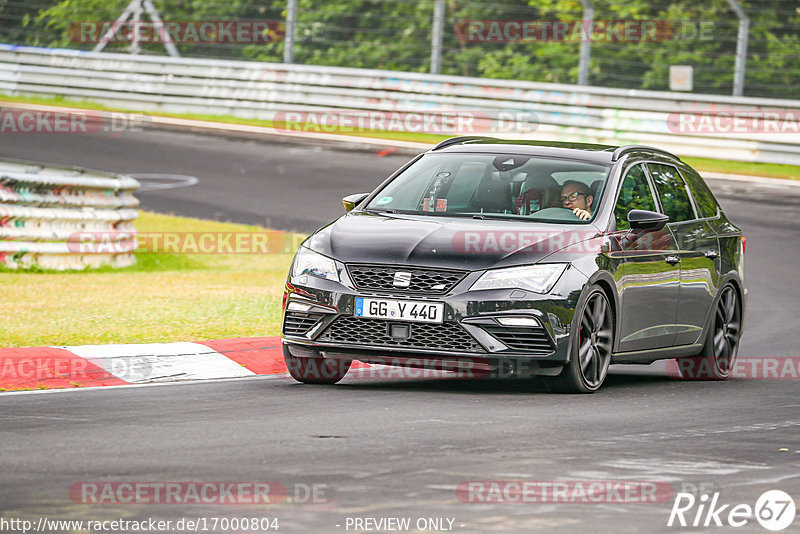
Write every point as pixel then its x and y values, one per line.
pixel 462 139
pixel 621 151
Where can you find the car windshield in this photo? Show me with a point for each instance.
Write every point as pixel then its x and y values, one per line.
pixel 514 186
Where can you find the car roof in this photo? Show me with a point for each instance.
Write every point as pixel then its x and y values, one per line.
pixel 595 153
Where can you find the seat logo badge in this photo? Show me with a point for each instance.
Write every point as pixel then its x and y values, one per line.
pixel 402 279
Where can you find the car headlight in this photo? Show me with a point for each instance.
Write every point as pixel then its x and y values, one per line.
pixel 536 278
pixel 308 262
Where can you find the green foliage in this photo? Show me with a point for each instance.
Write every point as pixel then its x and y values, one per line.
pixel 396 35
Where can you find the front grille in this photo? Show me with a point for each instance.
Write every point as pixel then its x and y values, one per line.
pixel 523 339
pixel 381 278
pixel 448 337
pixel 298 324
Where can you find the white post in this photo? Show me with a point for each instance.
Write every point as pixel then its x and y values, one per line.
pixel 134 12
pixel 291 26
pixel 438 33
pixel 172 50
pixel 136 21
pixel 741 48
pixel 110 33
pixel 586 43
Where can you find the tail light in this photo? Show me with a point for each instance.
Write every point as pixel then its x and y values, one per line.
pixel 744 244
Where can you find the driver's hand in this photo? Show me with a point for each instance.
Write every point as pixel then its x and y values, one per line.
pixel 582 214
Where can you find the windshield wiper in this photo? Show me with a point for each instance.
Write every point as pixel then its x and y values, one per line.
pixel 510 216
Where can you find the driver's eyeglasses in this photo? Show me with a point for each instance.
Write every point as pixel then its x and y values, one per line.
pixel 572 197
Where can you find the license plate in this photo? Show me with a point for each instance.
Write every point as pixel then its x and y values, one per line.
pixel 400 310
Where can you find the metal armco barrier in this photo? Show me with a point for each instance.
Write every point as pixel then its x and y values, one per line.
pixel 65 218
pixel 531 110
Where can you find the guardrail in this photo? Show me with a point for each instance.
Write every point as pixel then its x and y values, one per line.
pixel 65 218
pixel 532 110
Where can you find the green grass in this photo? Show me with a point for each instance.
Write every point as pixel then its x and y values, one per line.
pixel 163 298
pixel 770 170
pixel 791 172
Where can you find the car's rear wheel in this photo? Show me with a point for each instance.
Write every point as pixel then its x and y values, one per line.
pixel 315 370
pixel 591 344
pixel 721 347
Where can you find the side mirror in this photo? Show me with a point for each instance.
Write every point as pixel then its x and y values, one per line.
pixel 647 220
pixel 351 201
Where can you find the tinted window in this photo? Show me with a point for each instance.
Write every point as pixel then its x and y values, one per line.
pixel 672 192
pixel 703 198
pixel 635 194
pixel 515 186
pixel 466 180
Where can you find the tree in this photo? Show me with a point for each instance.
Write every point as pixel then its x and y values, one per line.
pixel 396 35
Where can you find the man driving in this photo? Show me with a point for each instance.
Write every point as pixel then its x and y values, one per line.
pixel 576 196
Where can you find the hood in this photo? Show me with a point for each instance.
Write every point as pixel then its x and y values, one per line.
pixel 431 241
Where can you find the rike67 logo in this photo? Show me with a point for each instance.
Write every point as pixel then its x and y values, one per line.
pixel 774 510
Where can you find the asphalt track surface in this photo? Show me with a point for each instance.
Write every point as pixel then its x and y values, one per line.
pixel 390 447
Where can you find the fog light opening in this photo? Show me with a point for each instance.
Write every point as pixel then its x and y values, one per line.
pixel 529 322
pixel 296 306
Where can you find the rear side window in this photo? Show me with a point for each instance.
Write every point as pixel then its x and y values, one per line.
pixel 672 192
pixel 635 194
pixel 703 198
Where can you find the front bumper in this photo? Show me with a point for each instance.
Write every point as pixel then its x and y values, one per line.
pixel 470 336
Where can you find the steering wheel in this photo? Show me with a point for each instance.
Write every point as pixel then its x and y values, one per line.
pixel 562 214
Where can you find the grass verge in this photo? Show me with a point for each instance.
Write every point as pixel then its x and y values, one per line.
pixel 163 298
pixel 770 170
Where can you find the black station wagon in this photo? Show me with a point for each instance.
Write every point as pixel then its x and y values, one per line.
pixel 535 258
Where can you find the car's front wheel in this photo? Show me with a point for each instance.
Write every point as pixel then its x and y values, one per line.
pixel 591 344
pixel 721 347
pixel 315 370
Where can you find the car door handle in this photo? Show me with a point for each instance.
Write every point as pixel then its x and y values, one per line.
pixel 711 254
pixel 673 260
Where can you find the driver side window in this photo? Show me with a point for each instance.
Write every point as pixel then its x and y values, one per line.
pixel 635 194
